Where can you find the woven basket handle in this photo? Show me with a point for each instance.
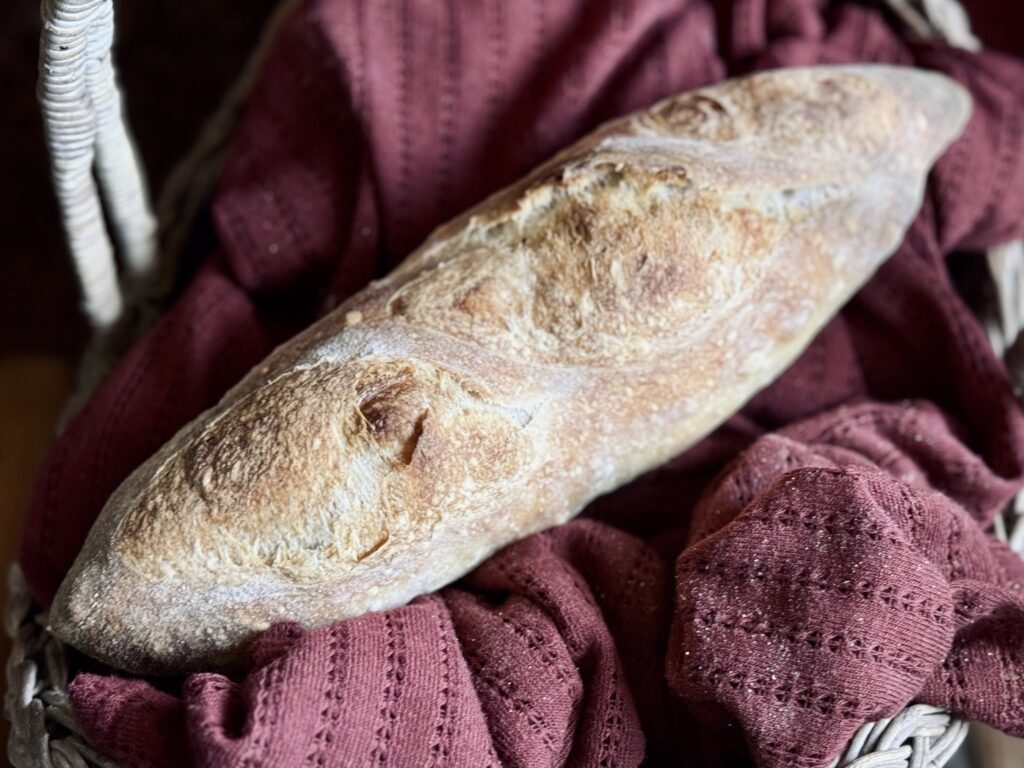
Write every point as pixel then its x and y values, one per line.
pixel 96 173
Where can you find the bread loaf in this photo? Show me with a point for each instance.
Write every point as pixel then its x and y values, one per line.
pixel 569 333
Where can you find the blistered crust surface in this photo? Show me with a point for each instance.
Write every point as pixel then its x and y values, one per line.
pixel 328 462
pixel 569 333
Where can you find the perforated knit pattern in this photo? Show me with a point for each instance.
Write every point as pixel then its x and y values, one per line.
pixel 832 573
pixel 822 572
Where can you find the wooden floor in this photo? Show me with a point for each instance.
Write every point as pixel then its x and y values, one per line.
pixel 32 391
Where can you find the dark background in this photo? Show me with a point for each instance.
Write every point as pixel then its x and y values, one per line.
pixel 176 59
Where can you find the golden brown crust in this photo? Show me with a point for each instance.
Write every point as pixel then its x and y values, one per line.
pixel 567 334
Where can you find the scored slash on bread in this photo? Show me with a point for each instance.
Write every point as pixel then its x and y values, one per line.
pixel 569 333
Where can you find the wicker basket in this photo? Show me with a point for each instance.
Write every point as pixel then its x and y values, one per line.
pixel 99 183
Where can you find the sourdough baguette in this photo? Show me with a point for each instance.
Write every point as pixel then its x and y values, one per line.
pixel 569 333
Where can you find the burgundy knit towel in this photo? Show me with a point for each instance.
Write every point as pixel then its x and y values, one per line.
pixel 818 561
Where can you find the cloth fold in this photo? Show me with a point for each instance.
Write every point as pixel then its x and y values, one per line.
pixel 820 553
pixel 817 561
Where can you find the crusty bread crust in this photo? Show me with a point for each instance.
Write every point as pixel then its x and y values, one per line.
pixel 567 334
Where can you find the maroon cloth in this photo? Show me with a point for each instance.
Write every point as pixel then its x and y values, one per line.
pixel 818 561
